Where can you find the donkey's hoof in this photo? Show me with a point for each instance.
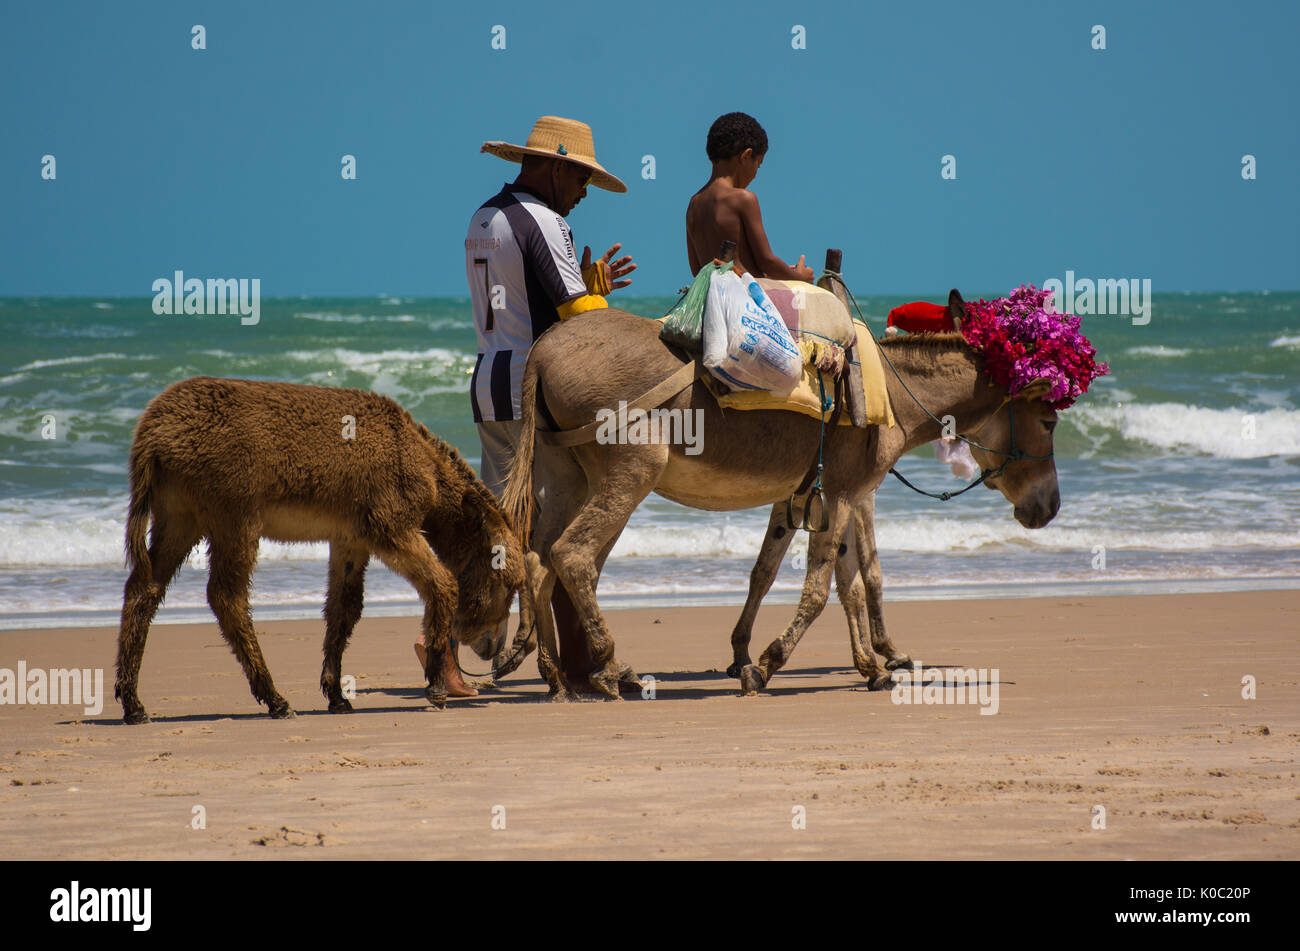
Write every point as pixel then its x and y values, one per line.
pixel 282 712
pixel 736 667
pixel 502 667
pixel 899 661
pixel 134 717
pixel 436 698
pixel 340 706
pixel 880 681
pixel 751 680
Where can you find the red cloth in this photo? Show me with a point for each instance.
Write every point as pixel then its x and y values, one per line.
pixel 921 317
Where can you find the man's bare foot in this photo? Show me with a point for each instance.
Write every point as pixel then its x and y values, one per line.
pixel 456 686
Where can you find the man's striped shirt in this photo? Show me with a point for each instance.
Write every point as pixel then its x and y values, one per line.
pixel 521 265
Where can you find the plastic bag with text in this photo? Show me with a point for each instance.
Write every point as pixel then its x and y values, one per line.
pixel 746 343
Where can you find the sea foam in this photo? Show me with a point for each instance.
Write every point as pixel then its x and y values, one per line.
pixel 1187 430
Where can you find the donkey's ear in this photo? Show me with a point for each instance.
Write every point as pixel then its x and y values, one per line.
pixel 956 307
pixel 1035 388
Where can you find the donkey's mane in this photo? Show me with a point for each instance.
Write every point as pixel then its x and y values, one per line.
pixel 926 341
pixel 473 487
pixel 937 351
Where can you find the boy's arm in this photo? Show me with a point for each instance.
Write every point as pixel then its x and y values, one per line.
pixel 765 260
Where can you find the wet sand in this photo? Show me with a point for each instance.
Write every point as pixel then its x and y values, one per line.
pixel 1133 704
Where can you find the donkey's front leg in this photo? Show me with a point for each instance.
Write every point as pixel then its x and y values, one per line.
pixel 823 549
pixel 343 601
pixel 864 534
pixel 776 542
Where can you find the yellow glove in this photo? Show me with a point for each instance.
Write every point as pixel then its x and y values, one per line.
pixel 596 277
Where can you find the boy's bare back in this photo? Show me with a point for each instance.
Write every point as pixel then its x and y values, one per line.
pixel 726 210
pixel 715 215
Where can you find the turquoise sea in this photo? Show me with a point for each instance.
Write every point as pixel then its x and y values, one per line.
pixel 1184 463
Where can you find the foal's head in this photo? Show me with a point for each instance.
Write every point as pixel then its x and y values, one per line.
pixel 488 560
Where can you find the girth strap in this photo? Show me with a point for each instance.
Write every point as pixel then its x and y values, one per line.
pixel 655 396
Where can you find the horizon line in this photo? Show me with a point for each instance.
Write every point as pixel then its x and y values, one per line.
pixel 675 293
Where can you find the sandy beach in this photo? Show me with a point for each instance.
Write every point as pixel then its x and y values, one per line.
pixel 1133 704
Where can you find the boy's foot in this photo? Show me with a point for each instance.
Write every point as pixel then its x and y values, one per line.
pixel 456 686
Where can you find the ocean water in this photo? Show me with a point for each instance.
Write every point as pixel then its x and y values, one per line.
pixel 1183 464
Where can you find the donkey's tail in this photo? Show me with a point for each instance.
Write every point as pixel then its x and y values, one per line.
pixel 518 497
pixel 137 517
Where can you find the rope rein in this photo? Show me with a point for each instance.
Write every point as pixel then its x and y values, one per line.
pixel 491 673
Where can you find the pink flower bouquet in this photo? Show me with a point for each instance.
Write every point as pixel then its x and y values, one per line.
pixel 1022 340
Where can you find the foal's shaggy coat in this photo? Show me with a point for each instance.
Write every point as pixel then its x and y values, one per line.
pixel 232 461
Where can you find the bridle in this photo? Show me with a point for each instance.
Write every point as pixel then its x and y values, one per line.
pixel 1015 454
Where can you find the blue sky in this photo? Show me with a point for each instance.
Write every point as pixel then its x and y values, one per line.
pixel 225 162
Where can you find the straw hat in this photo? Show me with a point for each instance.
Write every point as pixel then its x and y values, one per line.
pixel 554 137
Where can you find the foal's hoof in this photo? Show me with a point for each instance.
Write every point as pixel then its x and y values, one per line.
pixel 751 680
pixel 606 684
pixel 134 717
pixel 284 712
pixel 898 661
pixel 340 706
pixel 629 682
pixel 437 698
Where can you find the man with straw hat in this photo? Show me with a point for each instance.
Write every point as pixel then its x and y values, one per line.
pixel 524 276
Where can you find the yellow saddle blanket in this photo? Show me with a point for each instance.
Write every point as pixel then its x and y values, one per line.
pixel 806 398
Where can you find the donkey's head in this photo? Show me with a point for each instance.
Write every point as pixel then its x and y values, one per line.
pixel 1024 425
pixel 1020 435
pixel 488 581
pixel 477 543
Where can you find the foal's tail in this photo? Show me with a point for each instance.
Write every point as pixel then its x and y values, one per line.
pixel 518 497
pixel 137 516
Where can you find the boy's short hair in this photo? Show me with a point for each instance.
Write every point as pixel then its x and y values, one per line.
pixel 732 134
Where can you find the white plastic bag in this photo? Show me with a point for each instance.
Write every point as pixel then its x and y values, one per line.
pixel 955 453
pixel 746 343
